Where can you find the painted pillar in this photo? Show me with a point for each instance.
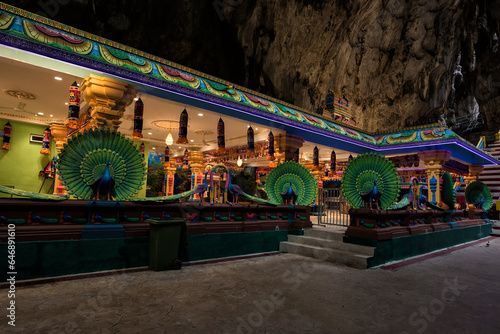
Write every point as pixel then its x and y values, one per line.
pixel 60 134
pixel 108 99
pixel 433 162
pixel 169 178
pixel 474 171
pixel 197 169
pixel 286 147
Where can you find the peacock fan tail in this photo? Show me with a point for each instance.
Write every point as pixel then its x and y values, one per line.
pixel 83 160
pixel 447 193
pixel 403 203
pixel 32 195
pixel 359 176
pixel 475 190
pixel 303 183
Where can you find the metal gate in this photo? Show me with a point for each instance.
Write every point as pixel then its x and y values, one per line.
pixel 332 208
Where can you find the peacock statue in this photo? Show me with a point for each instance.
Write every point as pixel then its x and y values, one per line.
pixel 289 196
pixel 295 176
pixel 478 194
pixel 101 162
pixel 370 177
pixel 199 189
pixel 236 191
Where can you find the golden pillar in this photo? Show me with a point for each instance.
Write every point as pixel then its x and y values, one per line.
pixel 60 134
pixel 197 168
pixel 433 162
pixel 169 169
pixel 108 99
pixel 474 171
pixel 286 146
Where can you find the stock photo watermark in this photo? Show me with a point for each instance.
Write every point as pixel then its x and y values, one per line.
pixel 11 274
pixel 264 308
pixel 429 313
pixel 50 8
pixel 99 303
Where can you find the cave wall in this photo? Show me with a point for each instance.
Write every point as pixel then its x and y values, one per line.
pixel 394 60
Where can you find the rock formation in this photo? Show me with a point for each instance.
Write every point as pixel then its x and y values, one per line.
pixel 400 63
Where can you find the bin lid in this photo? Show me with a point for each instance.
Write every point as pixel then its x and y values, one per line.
pixel 167 221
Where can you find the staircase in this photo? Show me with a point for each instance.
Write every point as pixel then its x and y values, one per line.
pixel 491 174
pixel 496 228
pixel 328 245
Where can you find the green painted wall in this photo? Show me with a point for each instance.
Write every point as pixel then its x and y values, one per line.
pixel 20 165
pixel 37 259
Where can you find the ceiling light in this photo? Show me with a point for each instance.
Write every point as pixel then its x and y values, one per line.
pixel 136 99
pixel 239 162
pixel 51 115
pixel 256 128
pixel 58 78
pixel 66 103
pixel 154 148
pixel 200 114
pixel 170 139
pixel 40 113
pixel 150 133
pixel 180 147
pixel 191 140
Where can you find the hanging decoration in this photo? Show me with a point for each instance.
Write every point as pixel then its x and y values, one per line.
pixel 185 161
pixel 183 125
pixel 221 140
pixel 74 107
pixel 333 162
pixel 315 157
pixel 6 136
pixel 250 140
pixel 46 142
pixel 270 149
pixel 167 157
pixel 138 119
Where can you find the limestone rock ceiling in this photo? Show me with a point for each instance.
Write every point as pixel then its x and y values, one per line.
pixel 396 61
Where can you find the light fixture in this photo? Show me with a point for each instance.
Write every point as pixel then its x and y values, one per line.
pixel 150 133
pixel 191 140
pixel 136 99
pixel 154 148
pixel 239 162
pixel 200 114
pixel 58 78
pixel 66 103
pixel 170 139
pixel 51 115
pixel 40 113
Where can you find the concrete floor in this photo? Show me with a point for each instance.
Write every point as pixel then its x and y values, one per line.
pixel 454 293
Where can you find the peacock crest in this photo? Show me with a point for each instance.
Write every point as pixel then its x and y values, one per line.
pixel 86 157
pixel 303 183
pixel 368 172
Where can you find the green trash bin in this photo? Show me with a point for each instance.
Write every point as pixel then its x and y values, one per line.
pixel 165 238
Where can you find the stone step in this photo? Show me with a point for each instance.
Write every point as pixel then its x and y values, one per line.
pixel 489 177
pixel 491 171
pixel 324 234
pixel 326 254
pixel 334 244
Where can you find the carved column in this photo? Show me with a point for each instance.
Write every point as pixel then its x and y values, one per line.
pixel 433 162
pixel 197 169
pixel 474 171
pixel 60 134
pixel 169 178
pixel 286 146
pixel 108 99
